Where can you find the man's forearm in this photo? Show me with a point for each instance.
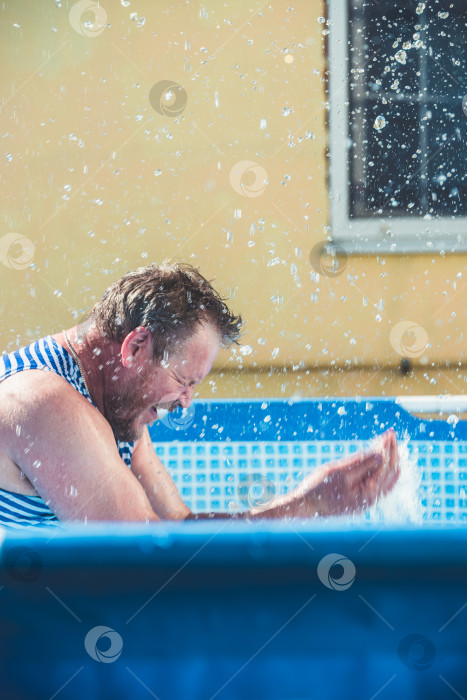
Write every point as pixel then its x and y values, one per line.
pixel 340 488
pixel 290 505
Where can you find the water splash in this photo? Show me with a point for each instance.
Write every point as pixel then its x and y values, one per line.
pixel 402 505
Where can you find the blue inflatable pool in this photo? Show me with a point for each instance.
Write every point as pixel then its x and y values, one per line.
pixel 253 611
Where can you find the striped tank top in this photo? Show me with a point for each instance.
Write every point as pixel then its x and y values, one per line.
pixel 16 510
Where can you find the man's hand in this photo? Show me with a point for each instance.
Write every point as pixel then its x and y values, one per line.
pixel 355 483
pixel 345 487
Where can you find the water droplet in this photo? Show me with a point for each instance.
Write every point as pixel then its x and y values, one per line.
pixel 443 15
pixel 380 123
pixel 420 7
pixel 401 57
pixel 36 463
pixel 275 353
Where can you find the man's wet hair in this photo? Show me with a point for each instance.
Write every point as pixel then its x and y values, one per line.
pixel 172 300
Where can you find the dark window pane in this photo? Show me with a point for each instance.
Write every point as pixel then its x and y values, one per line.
pixel 379 32
pixel 407 127
pixel 384 169
pixel 446 41
pixel 446 170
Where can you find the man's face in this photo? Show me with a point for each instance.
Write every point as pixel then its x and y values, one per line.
pixel 150 386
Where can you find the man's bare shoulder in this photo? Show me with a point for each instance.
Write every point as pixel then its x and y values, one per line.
pixel 39 400
pixel 67 450
pixel 33 388
pixel 44 382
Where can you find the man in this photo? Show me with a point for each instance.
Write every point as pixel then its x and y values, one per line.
pixel 74 441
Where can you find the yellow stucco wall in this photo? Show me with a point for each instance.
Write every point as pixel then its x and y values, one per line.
pixel 99 182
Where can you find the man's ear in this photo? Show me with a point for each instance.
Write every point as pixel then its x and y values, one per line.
pixel 136 348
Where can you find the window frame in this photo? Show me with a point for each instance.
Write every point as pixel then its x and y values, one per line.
pixel 372 234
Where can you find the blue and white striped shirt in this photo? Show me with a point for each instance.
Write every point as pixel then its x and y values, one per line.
pixel 16 510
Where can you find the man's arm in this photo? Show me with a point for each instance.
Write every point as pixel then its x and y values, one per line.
pixel 345 487
pixel 67 450
pixel 156 481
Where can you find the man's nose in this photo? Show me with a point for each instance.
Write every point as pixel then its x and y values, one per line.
pixel 187 396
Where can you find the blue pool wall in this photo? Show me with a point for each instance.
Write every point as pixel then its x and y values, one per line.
pixel 301 419
pixel 230 610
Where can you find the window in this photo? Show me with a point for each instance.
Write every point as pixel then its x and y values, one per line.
pixel 398 125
